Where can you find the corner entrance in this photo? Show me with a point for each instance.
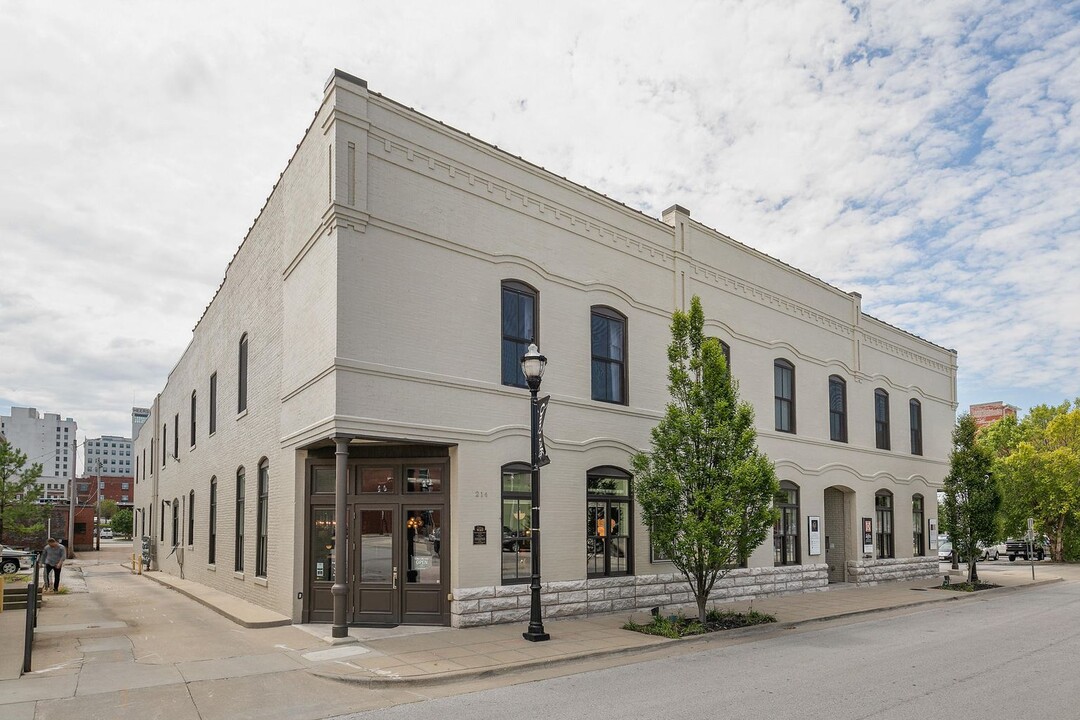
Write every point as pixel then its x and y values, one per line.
pixel 398 571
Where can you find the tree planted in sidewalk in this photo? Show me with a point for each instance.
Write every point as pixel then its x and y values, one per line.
pixel 705 490
pixel 21 516
pixel 971 496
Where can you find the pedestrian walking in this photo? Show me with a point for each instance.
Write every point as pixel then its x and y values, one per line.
pixel 54 555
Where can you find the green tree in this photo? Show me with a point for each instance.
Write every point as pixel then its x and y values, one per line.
pixel 108 508
pixel 705 490
pixel 1040 476
pixel 971 495
pixel 122 522
pixel 21 516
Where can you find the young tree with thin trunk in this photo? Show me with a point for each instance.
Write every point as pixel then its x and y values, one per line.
pixel 705 490
pixel 21 516
pixel 971 496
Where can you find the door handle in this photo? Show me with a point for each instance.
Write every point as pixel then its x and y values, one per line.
pixel 394 587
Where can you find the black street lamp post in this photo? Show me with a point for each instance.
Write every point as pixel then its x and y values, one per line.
pixel 532 365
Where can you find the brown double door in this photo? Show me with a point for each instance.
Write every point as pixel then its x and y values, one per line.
pixel 397 558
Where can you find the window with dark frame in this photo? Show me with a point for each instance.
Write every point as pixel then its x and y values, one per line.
pixel 608 523
pixel 238 545
pixel 262 518
pixel 194 414
pixel 608 331
pixel 917 515
pixel 211 539
pixel 242 375
pixel 837 409
pixel 212 420
pixel 176 436
pixel 163 502
pixel 784 395
pixel 520 317
pixel 164 443
pixel 883 504
pixel 176 522
pixel 881 419
pixel 915 411
pixel 516 522
pixel 786 550
pixel 191 518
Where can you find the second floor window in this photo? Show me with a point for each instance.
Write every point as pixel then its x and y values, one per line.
pixel 213 404
pixel 915 408
pixel 519 321
pixel 784 395
pixel 608 355
pixel 881 419
pixel 194 406
pixel 242 375
pixel 837 409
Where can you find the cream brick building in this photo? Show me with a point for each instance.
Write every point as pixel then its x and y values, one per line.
pixel 368 312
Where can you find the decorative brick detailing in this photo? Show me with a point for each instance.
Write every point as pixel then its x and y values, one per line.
pixel 504 604
pixel 871 572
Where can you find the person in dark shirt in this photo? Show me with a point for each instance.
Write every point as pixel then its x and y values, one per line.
pixel 54 555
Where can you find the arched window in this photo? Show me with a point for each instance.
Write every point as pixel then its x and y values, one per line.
pixel 881 419
pixel 516 523
pixel 917 514
pixel 262 519
pixel 608 523
pixel 211 540
pixel 191 518
pixel 784 392
pixel 608 330
pixel 242 374
pixel 883 504
pixel 176 522
pixel 915 411
pixel 520 319
pixel 238 547
pixel 786 531
pixel 837 409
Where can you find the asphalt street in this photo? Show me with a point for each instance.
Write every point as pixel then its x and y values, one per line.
pixel 1012 655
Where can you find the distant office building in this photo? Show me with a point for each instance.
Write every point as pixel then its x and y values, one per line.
pixel 45 439
pixel 118 489
pixel 138 417
pixel 986 413
pixel 108 455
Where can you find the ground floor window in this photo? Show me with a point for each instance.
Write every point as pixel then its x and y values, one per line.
pixel 608 524
pixel 883 503
pixel 516 523
pixel 786 529
pixel 919 548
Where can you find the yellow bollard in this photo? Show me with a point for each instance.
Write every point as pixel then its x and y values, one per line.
pixel 140 564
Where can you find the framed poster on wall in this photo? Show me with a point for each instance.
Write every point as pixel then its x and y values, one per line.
pixel 868 536
pixel 814 533
pixel 931 531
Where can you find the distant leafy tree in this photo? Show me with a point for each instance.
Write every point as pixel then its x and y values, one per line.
pixel 21 515
pixel 108 508
pixel 705 490
pixel 122 522
pixel 1040 476
pixel 971 495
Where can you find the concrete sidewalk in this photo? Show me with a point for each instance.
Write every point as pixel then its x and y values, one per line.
pixel 127 644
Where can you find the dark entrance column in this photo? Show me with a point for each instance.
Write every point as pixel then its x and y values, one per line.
pixel 340 590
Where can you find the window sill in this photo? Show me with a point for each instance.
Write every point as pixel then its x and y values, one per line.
pixel 242 414
pixel 238 574
pixel 261 581
pixel 191 449
pixel 211 567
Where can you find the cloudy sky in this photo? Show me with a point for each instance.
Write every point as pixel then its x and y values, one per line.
pixel 925 154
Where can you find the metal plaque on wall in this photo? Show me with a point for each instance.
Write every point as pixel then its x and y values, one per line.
pixel 479 535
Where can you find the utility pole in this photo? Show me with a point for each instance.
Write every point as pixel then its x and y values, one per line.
pixel 97 511
pixel 72 498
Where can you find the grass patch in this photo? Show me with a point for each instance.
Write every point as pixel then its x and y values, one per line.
pixel 16 577
pixel 679 626
pixel 968 586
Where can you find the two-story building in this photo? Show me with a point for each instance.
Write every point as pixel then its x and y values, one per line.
pixel 360 360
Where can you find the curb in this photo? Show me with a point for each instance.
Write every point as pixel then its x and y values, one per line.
pixel 739 633
pixel 252 624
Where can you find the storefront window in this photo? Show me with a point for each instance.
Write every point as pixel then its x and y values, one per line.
pixel 516 521
pixel 608 534
pixel 322 544
pixel 786 530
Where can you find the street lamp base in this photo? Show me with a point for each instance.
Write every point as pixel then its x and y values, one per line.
pixel 536 635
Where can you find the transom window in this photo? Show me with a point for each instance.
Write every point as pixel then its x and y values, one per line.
pixel 915 411
pixel 784 392
pixel 520 318
pixel 786 529
pixel 881 419
pixel 883 504
pixel 608 328
pixel 837 409
pixel 516 523
pixel 608 525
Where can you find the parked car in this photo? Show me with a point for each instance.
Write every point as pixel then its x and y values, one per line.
pixel 993 552
pixel 1019 548
pixel 12 560
pixel 106 533
pixel 944 551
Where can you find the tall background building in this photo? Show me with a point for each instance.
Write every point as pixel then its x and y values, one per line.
pixel 139 416
pixel 112 452
pixel 987 413
pixel 45 439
